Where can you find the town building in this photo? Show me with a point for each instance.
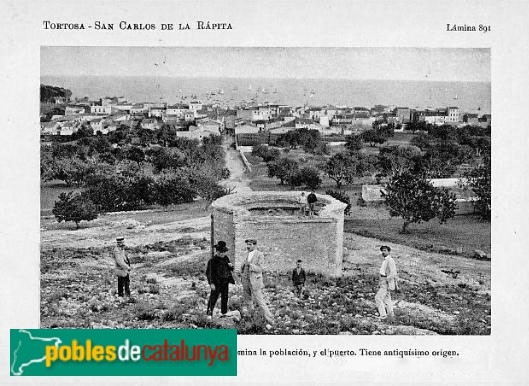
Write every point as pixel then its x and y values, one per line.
pixel 177 110
pixel 150 124
pixel 157 112
pixel 195 105
pixel 74 110
pixel 452 115
pixel 403 114
pixel 101 109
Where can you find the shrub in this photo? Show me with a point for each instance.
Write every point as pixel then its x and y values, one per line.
pixel 74 207
pixel 144 311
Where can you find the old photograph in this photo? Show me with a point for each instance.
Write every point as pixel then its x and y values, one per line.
pixel 283 191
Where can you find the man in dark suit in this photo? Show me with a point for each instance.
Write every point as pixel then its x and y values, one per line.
pixel 311 200
pixel 219 277
pixel 298 278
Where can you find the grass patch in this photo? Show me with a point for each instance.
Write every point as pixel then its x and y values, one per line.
pixel 460 235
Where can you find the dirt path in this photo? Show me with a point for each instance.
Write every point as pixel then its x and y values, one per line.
pixel 238 179
pixel 103 231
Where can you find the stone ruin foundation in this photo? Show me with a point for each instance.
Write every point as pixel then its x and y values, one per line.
pixel 274 220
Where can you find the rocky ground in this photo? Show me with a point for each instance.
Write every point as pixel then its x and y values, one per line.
pixel 441 294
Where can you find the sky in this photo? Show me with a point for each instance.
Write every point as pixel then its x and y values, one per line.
pixel 434 64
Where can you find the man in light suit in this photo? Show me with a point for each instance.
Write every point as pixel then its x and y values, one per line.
pixel 387 283
pixel 252 281
pixel 122 267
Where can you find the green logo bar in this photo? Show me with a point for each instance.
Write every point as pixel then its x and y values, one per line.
pixel 123 352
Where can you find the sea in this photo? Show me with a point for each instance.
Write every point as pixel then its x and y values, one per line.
pixel 471 97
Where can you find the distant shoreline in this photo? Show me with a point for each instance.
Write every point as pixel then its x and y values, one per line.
pixel 471 97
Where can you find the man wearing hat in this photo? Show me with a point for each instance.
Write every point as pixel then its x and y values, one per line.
pixel 387 283
pixel 122 267
pixel 219 276
pixel 252 281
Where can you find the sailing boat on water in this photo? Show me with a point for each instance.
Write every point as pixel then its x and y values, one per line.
pixel 455 98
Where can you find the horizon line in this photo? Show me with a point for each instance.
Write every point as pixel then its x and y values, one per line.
pixel 264 78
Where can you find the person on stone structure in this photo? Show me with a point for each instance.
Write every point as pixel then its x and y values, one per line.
pixel 302 204
pixel 298 279
pixel 387 283
pixel 311 201
pixel 219 274
pixel 122 267
pixel 252 282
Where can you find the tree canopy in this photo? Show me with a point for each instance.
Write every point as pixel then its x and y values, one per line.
pixel 74 207
pixel 414 199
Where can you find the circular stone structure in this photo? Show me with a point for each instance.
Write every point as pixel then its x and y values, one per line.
pixel 282 233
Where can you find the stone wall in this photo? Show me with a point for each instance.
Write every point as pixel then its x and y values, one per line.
pixel 284 239
pixel 245 161
pixel 372 194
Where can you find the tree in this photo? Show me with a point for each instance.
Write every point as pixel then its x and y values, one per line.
pixel 74 207
pixel 442 159
pixel 385 130
pixel 373 137
pixel 282 168
pixel 339 167
pixel 479 181
pixel 210 190
pixel 307 176
pixel 422 141
pixel 418 126
pixel 393 160
pixel 48 92
pixel 84 131
pixel 310 140
pixel 413 198
pixel 445 133
pixel 146 136
pixel 166 135
pixel 72 171
pixel 267 153
pixel 135 154
pixel 354 143
pixel 290 139
pixel 173 188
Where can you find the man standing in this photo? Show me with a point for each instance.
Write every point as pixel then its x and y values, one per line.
pixel 252 281
pixel 311 200
pixel 387 283
pixel 302 204
pixel 219 277
pixel 298 279
pixel 122 267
